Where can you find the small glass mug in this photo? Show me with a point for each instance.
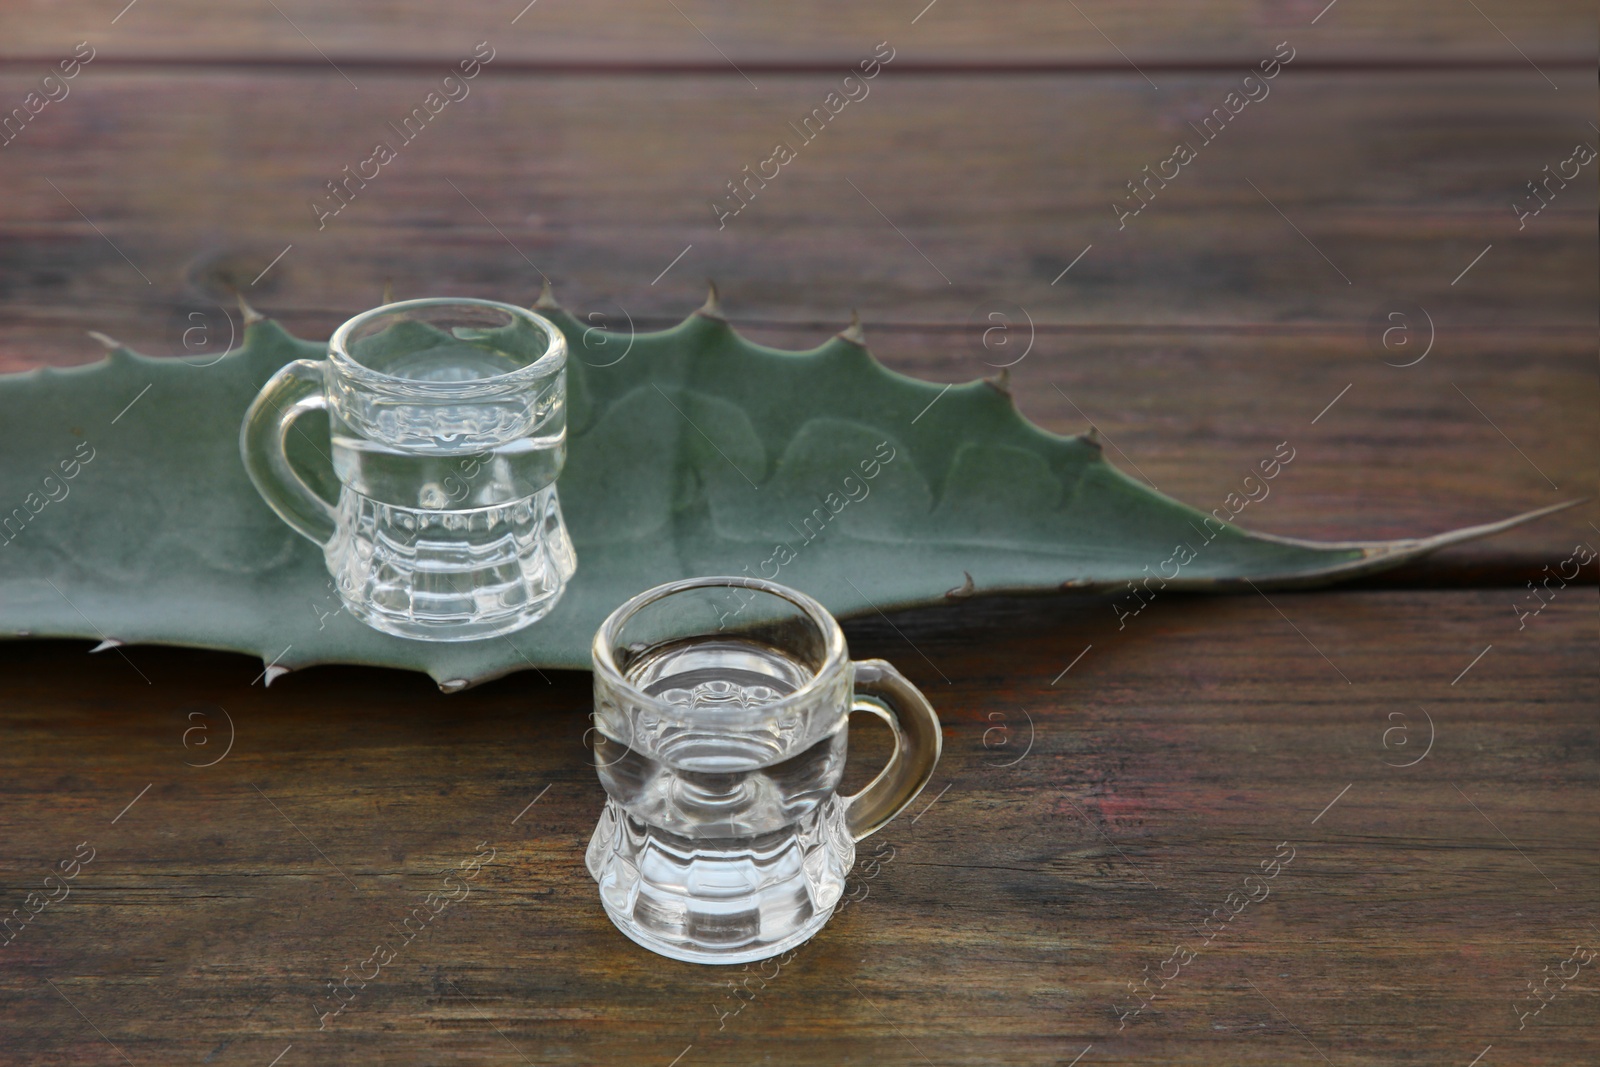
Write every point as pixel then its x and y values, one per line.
pixel 448 427
pixel 720 739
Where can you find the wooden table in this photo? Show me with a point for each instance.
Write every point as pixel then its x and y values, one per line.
pixel 1405 774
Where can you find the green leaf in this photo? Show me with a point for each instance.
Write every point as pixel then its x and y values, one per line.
pixel 127 514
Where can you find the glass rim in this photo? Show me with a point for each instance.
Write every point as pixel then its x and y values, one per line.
pixel 554 355
pixel 837 656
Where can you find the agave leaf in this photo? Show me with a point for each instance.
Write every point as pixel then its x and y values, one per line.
pixel 695 452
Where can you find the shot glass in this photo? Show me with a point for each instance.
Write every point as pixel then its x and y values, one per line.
pixel 724 838
pixel 447 431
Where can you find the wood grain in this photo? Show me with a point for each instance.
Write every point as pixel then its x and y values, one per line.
pixel 913 204
pixel 696 31
pixel 1190 338
pixel 1169 761
pixel 1012 908
pixel 1401 452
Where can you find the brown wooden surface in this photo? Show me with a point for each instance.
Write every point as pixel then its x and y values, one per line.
pixel 1400 178
pixel 641 31
pixel 1197 338
pixel 1165 765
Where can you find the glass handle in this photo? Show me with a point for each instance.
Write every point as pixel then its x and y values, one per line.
pixel 917 744
pixel 293 391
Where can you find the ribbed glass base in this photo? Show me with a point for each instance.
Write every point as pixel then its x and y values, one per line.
pixel 435 575
pixel 721 900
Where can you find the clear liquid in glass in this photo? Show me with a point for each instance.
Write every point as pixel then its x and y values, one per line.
pixel 723 839
pixel 437 533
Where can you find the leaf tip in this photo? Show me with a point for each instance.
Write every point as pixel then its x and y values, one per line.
pixel 108 643
pixel 547 298
pixel 273 673
pixel 388 290
pixel 853 332
pixel 1001 383
pixel 712 308
pixel 111 343
pixel 1411 548
pixel 964 590
pixel 453 685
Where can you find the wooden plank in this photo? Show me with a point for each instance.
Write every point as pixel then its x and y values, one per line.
pixel 1083 822
pixel 1095 31
pixel 914 203
pixel 1196 339
pixel 1379 451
